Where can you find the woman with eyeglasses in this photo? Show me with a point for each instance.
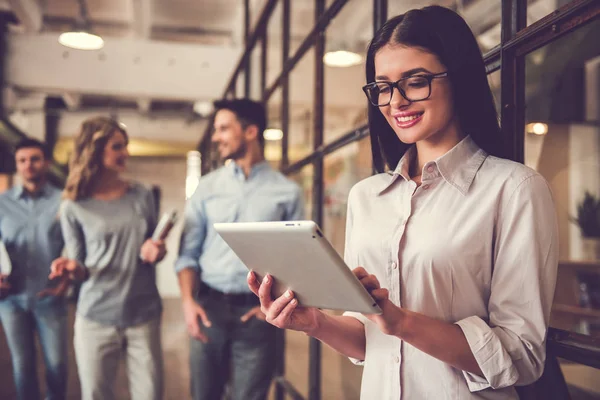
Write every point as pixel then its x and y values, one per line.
pixel 457 246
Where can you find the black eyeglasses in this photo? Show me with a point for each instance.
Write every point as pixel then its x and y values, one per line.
pixel 412 88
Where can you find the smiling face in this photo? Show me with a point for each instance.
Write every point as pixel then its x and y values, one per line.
pixel 429 120
pixel 115 155
pixel 229 135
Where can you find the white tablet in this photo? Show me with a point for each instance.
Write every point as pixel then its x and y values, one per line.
pixel 300 258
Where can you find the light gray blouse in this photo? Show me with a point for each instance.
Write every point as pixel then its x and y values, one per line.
pixel 106 237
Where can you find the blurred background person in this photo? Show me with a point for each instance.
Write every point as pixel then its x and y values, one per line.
pixel 107 224
pixel 233 333
pixel 30 231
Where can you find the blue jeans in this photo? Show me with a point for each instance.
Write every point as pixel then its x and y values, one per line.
pixel 247 350
pixel 21 315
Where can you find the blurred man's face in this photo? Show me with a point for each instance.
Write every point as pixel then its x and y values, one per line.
pixel 229 136
pixel 32 166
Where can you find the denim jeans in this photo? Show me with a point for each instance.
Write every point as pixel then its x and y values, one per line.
pixel 247 350
pixel 21 315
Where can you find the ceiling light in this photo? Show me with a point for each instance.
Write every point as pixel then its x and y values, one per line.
pixel 342 58
pixel 203 108
pixel 537 128
pixel 81 40
pixel 273 134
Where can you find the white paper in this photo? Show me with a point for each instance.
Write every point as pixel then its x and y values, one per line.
pixel 5 264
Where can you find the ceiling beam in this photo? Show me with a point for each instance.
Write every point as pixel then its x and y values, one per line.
pixel 29 13
pixel 72 101
pixel 237 31
pixel 144 105
pixel 142 18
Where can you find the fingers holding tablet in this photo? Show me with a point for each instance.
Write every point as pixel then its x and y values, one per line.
pixel 253 283
pixel 369 281
pixel 283 312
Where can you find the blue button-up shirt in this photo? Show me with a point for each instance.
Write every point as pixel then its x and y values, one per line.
pixel 30 230
pixel 225 195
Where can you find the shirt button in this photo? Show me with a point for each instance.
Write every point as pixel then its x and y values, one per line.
pixel 396 359
pixel 430 168
pixel 425 187
pixel 394 264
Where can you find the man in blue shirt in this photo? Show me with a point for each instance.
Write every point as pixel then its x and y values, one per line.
pixel 223 317
pixel 30 231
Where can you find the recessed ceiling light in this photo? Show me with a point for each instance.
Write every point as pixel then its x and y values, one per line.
pixel 342 58
pixel 273 134
pixel 81 40
pixel 537 128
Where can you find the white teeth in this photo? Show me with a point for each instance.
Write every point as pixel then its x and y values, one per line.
pixel 407 119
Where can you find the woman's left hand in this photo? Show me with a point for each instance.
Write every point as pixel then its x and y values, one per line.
pixel 153 251
pixel 391 319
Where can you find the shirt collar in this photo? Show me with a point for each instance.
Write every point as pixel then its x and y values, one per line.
pixel 237 171
pixel 458 166
pixel 20 191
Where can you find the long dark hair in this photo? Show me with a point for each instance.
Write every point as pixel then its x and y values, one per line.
pixel 444 33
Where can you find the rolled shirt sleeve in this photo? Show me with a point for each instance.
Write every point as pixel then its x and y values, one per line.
pixel 193 235
pixel 510 349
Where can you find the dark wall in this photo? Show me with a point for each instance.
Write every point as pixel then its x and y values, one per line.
pixel 7 160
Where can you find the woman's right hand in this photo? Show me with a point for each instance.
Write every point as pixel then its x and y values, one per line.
pixel 65 266
pixel 283 312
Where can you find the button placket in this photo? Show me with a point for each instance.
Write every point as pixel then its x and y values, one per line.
pixel 406 204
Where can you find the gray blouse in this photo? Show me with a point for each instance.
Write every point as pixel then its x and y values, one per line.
pixel 106 237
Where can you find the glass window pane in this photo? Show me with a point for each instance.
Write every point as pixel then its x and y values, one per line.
pixel 296 360
pixel 255 89
pixel 494 82
pixel 304 178
pixel 483 16
pixel 345 102
pixel 239 84
pixel 562 142
pixel 343 169
pixel 302 16
pixel 274 55
pixel 538 9
pixel 273 132
pixel 297 343
pixel 302 83
pixel 256 8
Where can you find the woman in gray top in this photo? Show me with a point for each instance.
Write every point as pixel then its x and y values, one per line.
pixel 107 223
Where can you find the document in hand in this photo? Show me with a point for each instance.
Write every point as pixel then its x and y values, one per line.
pixel 165 225
pixel 5 263
pixel 5 269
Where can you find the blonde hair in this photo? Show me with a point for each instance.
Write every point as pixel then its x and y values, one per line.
pixel 86 160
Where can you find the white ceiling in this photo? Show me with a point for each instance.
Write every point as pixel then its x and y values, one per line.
pixel 170 53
